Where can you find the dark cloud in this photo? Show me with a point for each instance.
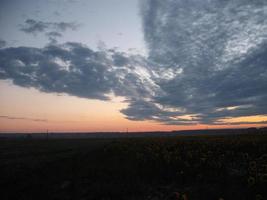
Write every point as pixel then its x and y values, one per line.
pixel 120 60
pixel 2 43
pixel 69 68
pixel 142 109
pixel 220 50
pixel 52 30
pixel 33 27
pixel 75 69
pixel 53 35
pixel 207 62
pixel 56 13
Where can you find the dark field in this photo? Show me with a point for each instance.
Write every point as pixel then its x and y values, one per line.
pixel 194 168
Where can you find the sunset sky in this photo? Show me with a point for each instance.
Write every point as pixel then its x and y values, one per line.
pixel 148 65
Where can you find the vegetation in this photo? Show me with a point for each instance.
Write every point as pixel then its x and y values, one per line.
pixel 181 168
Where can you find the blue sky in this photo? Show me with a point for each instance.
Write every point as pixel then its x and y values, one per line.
pixel 117 23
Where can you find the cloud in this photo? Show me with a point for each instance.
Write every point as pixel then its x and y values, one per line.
pixel 53 35
pixel 23 118
pixel 75 69
pixel 66 1
pixel 69 68
pixel 206 63
pixel 2 43
pixel 218 47
pixel 52 30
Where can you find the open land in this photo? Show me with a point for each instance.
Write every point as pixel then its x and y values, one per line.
pixel 203 167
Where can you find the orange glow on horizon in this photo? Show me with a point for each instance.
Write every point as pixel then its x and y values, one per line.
pixel 71 114
pixel 255 118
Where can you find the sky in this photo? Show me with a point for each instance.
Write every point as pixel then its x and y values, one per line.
pixel 117 65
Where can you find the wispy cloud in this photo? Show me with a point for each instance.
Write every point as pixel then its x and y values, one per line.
pixel 52 30
pixel 23 118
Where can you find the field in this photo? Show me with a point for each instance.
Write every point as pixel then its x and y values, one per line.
pixel 230 167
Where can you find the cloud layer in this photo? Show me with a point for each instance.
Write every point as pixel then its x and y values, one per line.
pixel 207 63
pixel 220 46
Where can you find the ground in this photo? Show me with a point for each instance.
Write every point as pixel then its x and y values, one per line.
pixel 181 168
